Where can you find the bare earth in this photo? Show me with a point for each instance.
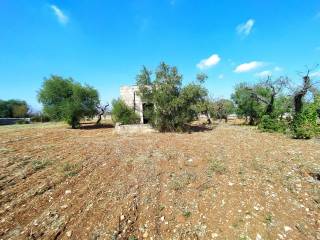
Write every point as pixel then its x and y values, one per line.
pixel 233 182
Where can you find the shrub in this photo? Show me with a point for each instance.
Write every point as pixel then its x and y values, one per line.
pixel 271 124
pixel 22 121
pixel 121 113
pixel 304 124
pixel 40 118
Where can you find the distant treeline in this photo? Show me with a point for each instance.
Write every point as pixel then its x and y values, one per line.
pixel 13 109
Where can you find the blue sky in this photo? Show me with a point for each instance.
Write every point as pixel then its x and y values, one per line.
pixel 104 43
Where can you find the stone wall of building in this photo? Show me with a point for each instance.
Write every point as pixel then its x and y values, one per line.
pixel 129 95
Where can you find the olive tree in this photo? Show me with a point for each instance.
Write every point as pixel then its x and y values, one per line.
pixel 174 105
pixel 65 99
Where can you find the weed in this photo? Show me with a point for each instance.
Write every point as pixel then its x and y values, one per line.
pixel 238 223
pixel 244 237
pixel 216 166
pixel 256 165
pixel 186 213
pixel 71 169
pixel 4 150
pixel 181 181
pixel 161 207
pixel 132 237
pixel 268 219
pixel 301 228
pixel 40 164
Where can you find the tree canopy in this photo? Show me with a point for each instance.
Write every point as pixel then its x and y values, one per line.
pixel 65 99
pixel 174 105
pixel 13 108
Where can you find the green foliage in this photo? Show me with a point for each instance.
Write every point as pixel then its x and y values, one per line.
pixel 221 108
pixel 202 77
pixel 13 109
pixel 246 105
pixel 282 105
pixel 64 99
pixel 22 121
pixel 123 114
pixel 271 124
pixel 40 117
pixel 186 213
pixel 174 105
pixel 304 124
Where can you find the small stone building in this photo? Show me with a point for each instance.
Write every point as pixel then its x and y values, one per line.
pixel 129 94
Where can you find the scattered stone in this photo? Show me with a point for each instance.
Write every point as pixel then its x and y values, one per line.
pixel 69 233
pixel 214 235
pixel 122 217
pixel 64 206
pixel 68 192
pixel 258 237
pixel 287 228
pixel 145 235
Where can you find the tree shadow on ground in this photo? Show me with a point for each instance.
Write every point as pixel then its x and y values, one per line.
pixel 200 128
pixel 90 126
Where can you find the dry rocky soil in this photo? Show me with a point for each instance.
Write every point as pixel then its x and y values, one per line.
pixel 231 182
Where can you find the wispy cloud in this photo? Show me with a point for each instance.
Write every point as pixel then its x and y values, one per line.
pixel 277 69
pixel 264 74
pixel 245 29
pixel 246 67
pixel 209 62
pixel 221 76
pixel 62 18
pixel 315 74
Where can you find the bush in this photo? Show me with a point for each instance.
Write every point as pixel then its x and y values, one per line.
pixel 22 121
pixel 304 124
pixel 123 114
pixel 270 124
pixel 40 118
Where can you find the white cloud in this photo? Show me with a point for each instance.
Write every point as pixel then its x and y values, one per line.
pixel 221 76
pixel 62 18
pixel 245 28
pixel 209 62
pixel 264 74
pixel 246 67
pixel 315 74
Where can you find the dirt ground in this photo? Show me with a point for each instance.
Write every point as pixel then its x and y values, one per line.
pixel 231 182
